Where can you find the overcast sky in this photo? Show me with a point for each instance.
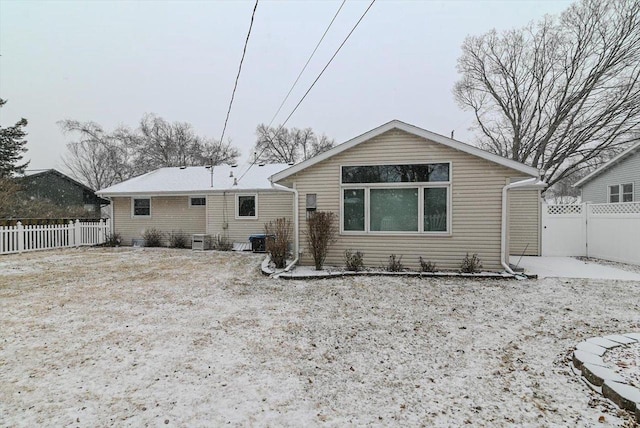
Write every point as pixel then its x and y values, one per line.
pixel 113 61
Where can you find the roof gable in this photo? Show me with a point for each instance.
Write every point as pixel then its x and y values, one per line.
pixel 411 129
pixel 635 149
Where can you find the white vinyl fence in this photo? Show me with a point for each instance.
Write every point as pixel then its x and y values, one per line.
pixel 605 231
pixel 19 238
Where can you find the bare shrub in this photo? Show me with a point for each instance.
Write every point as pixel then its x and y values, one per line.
pixel 427 266
pixel 321 232
pixel 222 243
pixel 152 238
pixel 395 264
pixel 112 240
pixel 471 264
pixel 354 261
pixel 278 233
pixel 178 239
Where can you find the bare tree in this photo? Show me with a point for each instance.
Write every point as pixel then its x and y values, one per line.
pixel 280 145
pixel 97 158
pixel 561 95
pixel 159 143
pixel 100 158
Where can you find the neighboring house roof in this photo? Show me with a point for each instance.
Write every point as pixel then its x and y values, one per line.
pixel 616 160
pixel 411 129
pixel 32 173
pixel 196 179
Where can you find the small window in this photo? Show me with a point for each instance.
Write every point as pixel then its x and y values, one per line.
pixel 627 192
pixel 614 194
pixel 246 206
pixel 197 201
pixel 141 207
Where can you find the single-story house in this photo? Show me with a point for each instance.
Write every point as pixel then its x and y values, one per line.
pixel 399 189
pixel 616 181
pixel 61 190
pixel 224 201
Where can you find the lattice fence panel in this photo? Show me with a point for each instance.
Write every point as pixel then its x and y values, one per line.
pixel 564 209
pixel 622 208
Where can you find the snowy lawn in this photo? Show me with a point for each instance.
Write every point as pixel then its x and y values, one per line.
pixel 101 337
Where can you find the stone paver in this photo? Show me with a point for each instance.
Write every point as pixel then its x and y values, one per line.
pixel 605 343
pixel 588 359
pixel 591 348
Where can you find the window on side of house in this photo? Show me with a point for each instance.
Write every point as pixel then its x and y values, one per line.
pixel 627 192
pixel 197 201
pixel 141 207
pixel 396 198
pixel 247 206
pixel 614 194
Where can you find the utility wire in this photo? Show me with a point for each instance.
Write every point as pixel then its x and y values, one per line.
pixel 313 84
pixel 326 66
pixel 307 63
pixel 244 51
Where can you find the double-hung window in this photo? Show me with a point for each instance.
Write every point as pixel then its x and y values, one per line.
pixel 621 193
pixel 405 198
pixel 141 207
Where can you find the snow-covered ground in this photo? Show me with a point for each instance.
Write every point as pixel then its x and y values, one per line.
pixel 135 337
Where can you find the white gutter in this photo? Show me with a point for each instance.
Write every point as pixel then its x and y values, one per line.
pixel 530 182
pixel 295 223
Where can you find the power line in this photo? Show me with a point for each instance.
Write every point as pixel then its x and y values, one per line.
pixel 244 51
pixel 331 60
pixel 313 84
pixel 307 63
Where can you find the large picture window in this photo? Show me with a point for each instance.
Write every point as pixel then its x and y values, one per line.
pixel 246 207
pixel 398 198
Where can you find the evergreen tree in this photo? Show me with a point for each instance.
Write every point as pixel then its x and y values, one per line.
pixel 12 147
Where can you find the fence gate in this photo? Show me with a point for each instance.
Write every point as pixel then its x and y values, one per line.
pixel 564 230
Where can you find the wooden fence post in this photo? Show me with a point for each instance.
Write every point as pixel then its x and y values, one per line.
pixel 20 229
pixel 102 233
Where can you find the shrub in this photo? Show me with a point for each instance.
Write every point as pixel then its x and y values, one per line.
pixel 354 261
pixel 427 266
pixel 395 264
pixel 471 264
pixel 278 233
pixel 321 232
pixel 152 238
pixel 222 243
pixel 178 239
pixel 112 240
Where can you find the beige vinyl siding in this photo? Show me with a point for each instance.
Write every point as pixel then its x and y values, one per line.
pixel 168 213
pixel 476 204
pixel 524 222
pixel 221 208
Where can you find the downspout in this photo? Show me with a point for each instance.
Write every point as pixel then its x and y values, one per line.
pixel 296 232
pixel 503 238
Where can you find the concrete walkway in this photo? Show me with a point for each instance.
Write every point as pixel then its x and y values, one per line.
pixel 568 267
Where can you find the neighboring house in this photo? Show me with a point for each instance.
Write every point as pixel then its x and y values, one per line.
pixel 61 190
pixel 232 202
pixel 399 189
pixel 616 181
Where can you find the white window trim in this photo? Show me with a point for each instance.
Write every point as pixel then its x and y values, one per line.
pixel 419 185
pixel 237 210
pixel 133 211
pixel 197 206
